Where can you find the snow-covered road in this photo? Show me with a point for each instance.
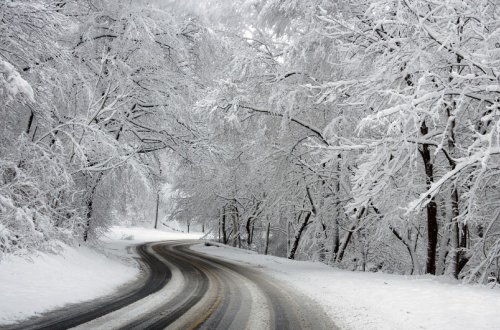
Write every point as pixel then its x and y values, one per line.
pixel 188 290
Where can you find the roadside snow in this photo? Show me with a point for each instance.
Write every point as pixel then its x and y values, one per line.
pixel 50 281
pixel 53 280
pixel 356 300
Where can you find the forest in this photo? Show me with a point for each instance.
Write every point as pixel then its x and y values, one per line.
pixel 364 134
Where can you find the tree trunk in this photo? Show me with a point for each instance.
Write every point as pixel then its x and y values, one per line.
pixel 432 224
pixel 90 200
pixel 345 242
pixel 298 235
pixel 459 232
pixel 444 245
pixel 30 122
pixel 335 240
pixel 455 235
pixel 337 213
pixel 251 222
pixel 223 227
pixel 463 259
pixel 88 222
pixel 90 207
pixel 219 219
pixel 268 229
pixel 348 236
pixel 248 227
pixel 157 207
pixel 414 262
pixel 303 225
pixel 252 226
pixel 236 226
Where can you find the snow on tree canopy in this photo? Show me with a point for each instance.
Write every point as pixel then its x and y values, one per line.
pixel 12 83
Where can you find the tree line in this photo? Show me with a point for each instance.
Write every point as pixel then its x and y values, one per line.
pixel 92 92
pixel 362 134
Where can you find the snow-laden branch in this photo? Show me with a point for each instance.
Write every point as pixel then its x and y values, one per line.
pixel 426 197
pixel 11 82
pixel 305 125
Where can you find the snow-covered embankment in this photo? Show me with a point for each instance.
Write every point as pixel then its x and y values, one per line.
pixel 356 300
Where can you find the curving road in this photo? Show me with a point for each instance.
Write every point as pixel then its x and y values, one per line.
pixel 189 290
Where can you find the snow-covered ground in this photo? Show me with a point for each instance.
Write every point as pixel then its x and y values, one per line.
pixel 356 300
pixel 52 280
pixel 49 281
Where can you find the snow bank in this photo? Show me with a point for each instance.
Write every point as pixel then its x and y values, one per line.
pixel 50 281
pixel 356 300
